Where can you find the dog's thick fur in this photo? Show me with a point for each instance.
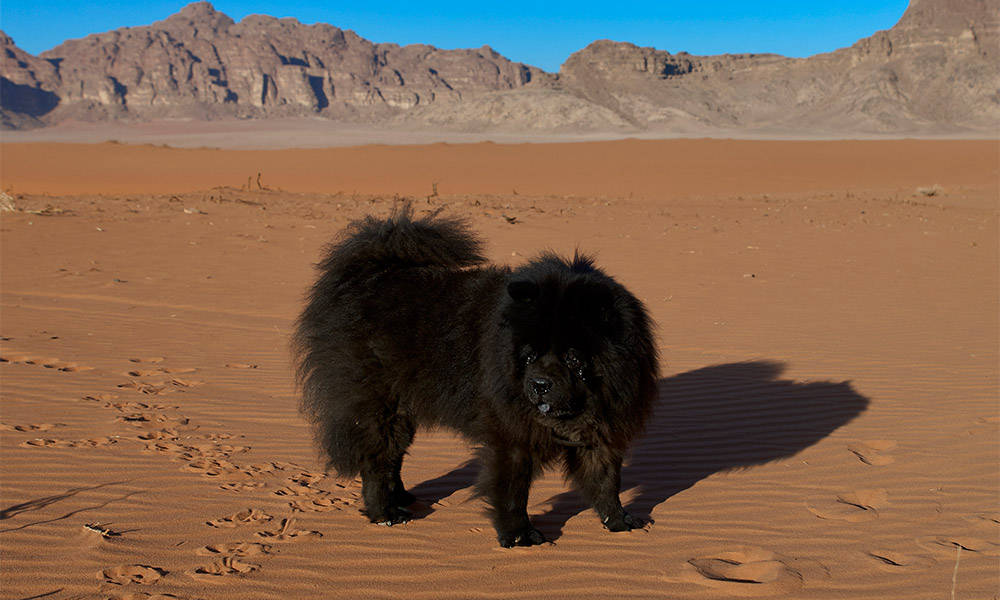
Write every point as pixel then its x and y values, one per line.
pixel 551 362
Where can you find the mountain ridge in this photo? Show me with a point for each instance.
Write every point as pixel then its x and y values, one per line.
pixel 933 72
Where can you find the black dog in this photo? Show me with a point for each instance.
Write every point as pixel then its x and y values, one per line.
pixel 551 362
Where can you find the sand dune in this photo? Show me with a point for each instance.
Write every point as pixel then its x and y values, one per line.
pixel 827 425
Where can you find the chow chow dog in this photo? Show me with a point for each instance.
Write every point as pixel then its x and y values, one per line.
pixel 549 363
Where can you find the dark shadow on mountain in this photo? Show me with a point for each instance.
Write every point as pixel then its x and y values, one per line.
pixel 25 99
pixel 316 83
pixel 719 418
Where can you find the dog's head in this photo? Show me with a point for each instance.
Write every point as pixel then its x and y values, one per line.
pixel 562 317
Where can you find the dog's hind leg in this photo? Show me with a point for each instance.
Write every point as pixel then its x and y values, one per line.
pixel 381 484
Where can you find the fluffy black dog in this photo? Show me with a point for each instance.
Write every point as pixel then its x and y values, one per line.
pixel 550 362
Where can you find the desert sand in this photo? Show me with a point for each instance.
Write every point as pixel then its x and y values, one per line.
pixel 827 425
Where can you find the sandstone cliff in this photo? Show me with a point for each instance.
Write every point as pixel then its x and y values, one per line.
pixel 200 63
pixel 934 72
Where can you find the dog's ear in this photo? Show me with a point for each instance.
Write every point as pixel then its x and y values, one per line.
pixel 523 290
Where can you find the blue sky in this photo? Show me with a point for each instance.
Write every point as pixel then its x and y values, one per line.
pixel 538 33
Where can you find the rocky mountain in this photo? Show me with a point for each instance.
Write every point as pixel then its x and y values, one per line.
pixel 201 63
pixel 934 72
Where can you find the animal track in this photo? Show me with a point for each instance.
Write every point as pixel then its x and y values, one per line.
pixel 285 533
pixel 854 507
pixel 750 572
pixel 305 498
pixel 48 363
pixel 892 561
pixel 874 452
pixel 150 389
pixel 31 427
pixel 52 443
pixel 158 371
pixel 141 574
pixel 145 596
pixel 968 543
pixel 242 486
pixel 241 549
pixel 243 517
pixel 229 565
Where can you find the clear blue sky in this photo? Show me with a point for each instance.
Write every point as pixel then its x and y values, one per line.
pixel 538 33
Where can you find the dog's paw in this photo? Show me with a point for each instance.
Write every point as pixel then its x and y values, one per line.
pixel 526 536
pixel 623 522
pixel 392 515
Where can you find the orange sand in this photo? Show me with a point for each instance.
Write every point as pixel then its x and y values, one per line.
pixel 644 168
pixel 827 427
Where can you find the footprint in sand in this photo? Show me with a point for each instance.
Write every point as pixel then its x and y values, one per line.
pixel 51 443
pixel 750 571
pixel 141 574
pixel 285 533
pixel 307 478
pixel 243 517
pixel 145 596
pixel 211 467
pixel 853 507
pixel 159 434
pixel 242 486
pixel 150 389
pixel 300 485
pixel 241 549
pixel 143 373
pixel 229 565
pixel 185 383
pixel 319 504
pixel 304 498
pixel 30 427
pixel 166 445
pixel 895 562
pixel 136 406
pixel 874 452
pixel 151 359
pixel 157 371
pixel 156 419
pixel 965 542
pixel 48 363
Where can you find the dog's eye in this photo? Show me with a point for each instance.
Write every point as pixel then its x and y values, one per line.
pixel 530 357
pixel 573 363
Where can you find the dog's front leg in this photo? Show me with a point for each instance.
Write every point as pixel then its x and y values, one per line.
pixel 505 481
pixel 597 474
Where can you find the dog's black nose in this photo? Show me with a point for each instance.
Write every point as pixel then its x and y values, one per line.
pixel 541 386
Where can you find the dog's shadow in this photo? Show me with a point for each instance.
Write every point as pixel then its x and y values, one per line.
pixel 714 419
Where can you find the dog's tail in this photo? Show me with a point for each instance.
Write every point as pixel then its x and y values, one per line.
pixel 374 245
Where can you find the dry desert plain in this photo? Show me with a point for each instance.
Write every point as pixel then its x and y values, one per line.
pixel 827 424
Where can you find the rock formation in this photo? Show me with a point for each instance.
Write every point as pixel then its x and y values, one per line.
pixel 934 72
